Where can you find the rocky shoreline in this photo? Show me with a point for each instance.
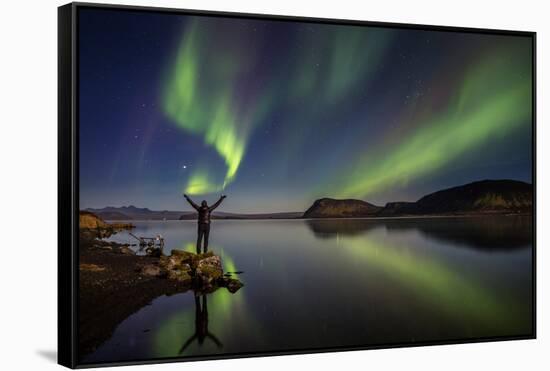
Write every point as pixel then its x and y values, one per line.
pixel 115 283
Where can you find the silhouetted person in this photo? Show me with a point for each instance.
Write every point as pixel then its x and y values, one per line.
pixel 201 325
pixel 204 220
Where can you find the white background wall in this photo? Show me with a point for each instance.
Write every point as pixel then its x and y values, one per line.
pixel 28 155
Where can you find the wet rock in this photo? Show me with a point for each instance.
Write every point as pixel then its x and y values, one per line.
pixel 181 276
pixel 182 254
pixel 177 258
pixel 91 267
pixel 229 274
pixel 199 257
pixel 232 284
pixel 186 268
pixel 163 262
pixel 125 250
pixel 170 262
pixel 151 270
pixel 209 269
pixel 203 271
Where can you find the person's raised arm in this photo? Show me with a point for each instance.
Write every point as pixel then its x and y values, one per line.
pixel 217 203
pixel 195 206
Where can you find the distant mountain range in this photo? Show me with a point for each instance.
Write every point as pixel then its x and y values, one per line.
pixel 222 215
pixel 483 197
pixel 136 213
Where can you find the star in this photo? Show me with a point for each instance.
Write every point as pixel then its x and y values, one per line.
pixel 184 167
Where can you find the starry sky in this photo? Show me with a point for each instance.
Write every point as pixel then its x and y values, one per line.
pixel 276 114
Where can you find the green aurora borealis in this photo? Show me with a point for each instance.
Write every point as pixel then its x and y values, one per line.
pixel 277 114
pixel 492 99
pixel 203 93
pixel 489 99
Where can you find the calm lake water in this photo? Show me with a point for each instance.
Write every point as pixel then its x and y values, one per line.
pixel 339 283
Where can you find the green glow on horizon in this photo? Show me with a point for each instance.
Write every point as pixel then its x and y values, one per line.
pixel 494 99
pixel 200 183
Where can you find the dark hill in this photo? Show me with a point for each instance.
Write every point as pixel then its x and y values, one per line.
pixel 89 220
pixel 331 208
pixel 486 196
pixel 398 208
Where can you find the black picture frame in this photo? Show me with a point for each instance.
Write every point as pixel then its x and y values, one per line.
pixel 68 181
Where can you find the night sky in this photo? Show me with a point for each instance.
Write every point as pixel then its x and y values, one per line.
pixel 276 114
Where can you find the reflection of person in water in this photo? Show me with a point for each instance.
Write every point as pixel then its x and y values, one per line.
pixel 201 325
pixel 204 221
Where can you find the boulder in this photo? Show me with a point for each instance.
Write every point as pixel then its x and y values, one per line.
pixel 163 262
pixel 203 271
pixel 91 267
pixel 232 284
pixel 185 268
pixel 182 253
pixel 182 257
pixel 125 250
pixel 171 262
pixel 209 269
pixel 88 220
pixel 180 275
pixel 151 270
pixel 91 221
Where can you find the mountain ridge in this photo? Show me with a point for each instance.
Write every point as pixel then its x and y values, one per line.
pixel 479 197
pixel 135 213
pixel 333 208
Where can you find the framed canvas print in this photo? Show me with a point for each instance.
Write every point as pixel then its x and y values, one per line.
pixel 236 185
